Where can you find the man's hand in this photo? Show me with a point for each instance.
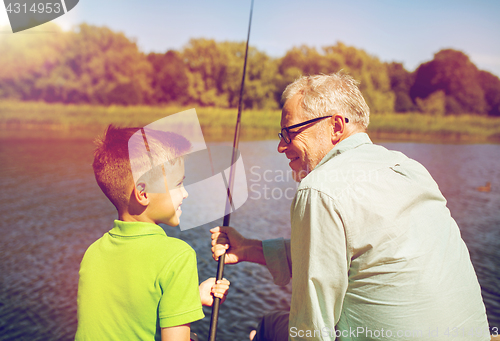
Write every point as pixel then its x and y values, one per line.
pixel 226 239
pixel 209 289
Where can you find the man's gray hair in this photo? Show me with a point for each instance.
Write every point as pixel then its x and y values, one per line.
pixel 330 94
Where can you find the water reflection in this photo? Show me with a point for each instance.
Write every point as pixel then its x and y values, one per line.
pixel 52 210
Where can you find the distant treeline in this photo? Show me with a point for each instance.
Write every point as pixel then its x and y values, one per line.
pixel 96 65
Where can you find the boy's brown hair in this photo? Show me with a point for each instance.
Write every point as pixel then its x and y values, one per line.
pixel 114 155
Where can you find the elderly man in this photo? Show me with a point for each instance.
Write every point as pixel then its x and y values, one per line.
pixel 374 252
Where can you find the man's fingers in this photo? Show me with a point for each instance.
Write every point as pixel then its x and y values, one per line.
pixel 222 229
pixel 219 229
pixel 225 238
pixel 220 239
pixel 215 235
pixel 220 243
pixel 218 250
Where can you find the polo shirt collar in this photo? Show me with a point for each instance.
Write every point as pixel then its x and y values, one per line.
pixel 349 143
pixel 136 228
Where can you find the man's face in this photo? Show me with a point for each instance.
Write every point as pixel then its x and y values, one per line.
pixel 309 143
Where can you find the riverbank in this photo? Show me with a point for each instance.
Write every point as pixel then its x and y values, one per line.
pixel 55 120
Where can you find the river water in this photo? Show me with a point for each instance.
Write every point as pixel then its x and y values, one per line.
pixel 52 210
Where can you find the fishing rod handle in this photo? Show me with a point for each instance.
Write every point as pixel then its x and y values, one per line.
pixel 215 307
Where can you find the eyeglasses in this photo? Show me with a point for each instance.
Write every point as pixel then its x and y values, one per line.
pixel 285 132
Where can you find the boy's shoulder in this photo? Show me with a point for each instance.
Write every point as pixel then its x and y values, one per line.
pixel 145 238
pixel 178 245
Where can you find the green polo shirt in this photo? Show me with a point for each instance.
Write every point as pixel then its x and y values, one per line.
pixel 135 280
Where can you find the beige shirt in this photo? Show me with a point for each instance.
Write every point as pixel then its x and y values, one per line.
pixel 375 253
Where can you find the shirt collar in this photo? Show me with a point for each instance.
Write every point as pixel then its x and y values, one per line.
pixel 349 143
pixel 136 228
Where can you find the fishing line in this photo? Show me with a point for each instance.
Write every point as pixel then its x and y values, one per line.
pixel 220 268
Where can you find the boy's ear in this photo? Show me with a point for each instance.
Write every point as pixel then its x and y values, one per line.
pixel 140 194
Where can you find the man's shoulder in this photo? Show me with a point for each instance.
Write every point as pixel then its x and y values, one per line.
pixel 350 164
pixel 370 172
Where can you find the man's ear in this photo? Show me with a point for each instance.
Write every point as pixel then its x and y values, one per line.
pixel 140 194
pixel 338 128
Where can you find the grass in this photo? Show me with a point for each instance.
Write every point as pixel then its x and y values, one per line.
pixel 44 120
pixel 39 119
pixel 425 128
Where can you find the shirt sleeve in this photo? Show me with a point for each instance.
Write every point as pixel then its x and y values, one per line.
pixel 278 259
pixel 320 261
pixel 180 302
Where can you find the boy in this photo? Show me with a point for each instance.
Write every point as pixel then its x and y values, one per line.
pixel 135 282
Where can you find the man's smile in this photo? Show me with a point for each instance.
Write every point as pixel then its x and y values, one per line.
pixel 292 160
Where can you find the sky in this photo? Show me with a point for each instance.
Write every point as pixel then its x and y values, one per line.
pixel 409 32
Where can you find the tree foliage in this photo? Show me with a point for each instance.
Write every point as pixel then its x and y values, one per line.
pixel 401 82
pixel 27 58
pixel 434 104
pixel 452 72
pixel 170 81
pixel 89 65
pixel 215 71
pixel 101 66
pixel 368 70
pixel 97 65
pixel 491 87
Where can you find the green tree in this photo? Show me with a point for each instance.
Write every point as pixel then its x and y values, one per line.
pixel 170 82
pixel 207 67
pixel 491 87
pixel 434 104
pixel 215 71
pixel 27 58
pixel 102 66
pixel 452 72
pixel 368 70
pixel 401 82
pixel 298 61
pixel 260 86
pixel 91 64
pixel 308 60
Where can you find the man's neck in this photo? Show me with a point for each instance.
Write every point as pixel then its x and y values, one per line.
pixel 350 131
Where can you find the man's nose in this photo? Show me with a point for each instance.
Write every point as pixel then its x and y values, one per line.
pixel 282 146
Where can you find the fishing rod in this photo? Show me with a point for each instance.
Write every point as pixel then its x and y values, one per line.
pixel 220 268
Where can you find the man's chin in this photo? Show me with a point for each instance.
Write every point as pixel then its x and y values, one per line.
pixel 298 175
pixel 300 170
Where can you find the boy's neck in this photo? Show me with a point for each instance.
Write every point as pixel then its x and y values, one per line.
pixel 126 216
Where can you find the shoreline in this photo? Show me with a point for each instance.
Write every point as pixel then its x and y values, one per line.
pixel 225 134
pixel 417 137
pixel 40 120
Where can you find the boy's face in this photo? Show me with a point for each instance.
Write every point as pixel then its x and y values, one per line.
pixel 166 207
